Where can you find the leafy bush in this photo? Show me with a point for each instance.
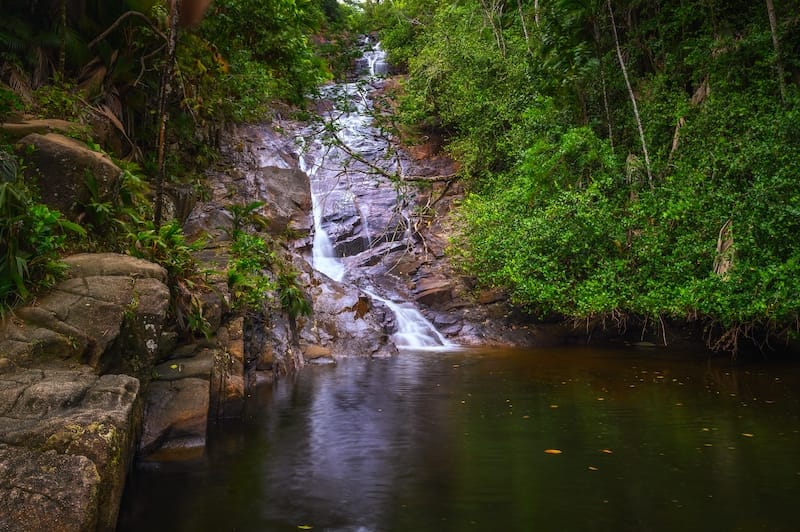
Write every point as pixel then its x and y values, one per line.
pixel 563 207
pixel 31 237
pixel 252 257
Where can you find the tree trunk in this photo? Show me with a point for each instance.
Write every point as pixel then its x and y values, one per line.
pixel 163 98
pixel 493 13
pixel 62 50
pixel 524 27
pixel 632 96
pixel 773 26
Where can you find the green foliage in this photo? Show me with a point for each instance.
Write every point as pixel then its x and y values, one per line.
pixel 272 35
pixel 258 276
pixel 167 246
pixel 9 103
pixel 31 237
pixel 252 257
pixel 246 215
pixel 560 210
pixel 291 296
pixel 57 101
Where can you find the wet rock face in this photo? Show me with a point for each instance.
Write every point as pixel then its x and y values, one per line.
pixel 287 198
pixel 345 323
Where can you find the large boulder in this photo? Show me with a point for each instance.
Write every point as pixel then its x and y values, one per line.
pixel 67 428
pixel 66 441
pixel 108 314
pixel 61 166
pixel 176 418
pixel 287 198
pixel 345 322
pixel 33 498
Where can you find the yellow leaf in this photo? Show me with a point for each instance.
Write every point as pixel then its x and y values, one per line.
pixel 305 527
pixel 552 451
pixel 747 435
pixel 173 366
pixel 607 451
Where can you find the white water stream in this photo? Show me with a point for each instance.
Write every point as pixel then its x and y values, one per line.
pixel 354 128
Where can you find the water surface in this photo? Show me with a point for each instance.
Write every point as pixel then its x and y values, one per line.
pixel 468 440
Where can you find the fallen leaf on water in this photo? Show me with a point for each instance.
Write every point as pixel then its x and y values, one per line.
pixel 607 451
pixel 592 468
pixel 173 366
pixel 552 451
pixel 553 406
pixel 747 435
pixel 305 527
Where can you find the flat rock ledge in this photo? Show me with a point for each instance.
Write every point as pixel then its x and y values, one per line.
pixel 69 418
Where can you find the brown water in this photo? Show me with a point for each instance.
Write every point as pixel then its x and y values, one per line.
pixel 457 442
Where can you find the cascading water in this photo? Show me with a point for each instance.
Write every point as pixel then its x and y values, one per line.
pixel 323 258
pixel 344 168
pixel 414 331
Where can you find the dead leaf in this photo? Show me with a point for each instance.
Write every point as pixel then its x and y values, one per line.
pixel 552 451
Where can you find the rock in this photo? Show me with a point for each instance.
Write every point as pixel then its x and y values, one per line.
pixel 109 315
pixel 176 416
pixel 88 422
pixel 47 491
pixel 198 367
pixel 112 265
pixel 228 377
pixel 56 413
pixel 433 291
pixel 491 295
pixel 312 352
pixel 287 197
pixel 59 166
pixel 270 344
pixel 23 128
pixel 346 322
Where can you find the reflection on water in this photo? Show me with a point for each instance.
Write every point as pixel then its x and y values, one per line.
pixel 455 441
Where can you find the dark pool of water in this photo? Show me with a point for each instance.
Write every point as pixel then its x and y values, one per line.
pixel 458 441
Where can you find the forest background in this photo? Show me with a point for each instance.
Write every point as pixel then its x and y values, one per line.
pixel 625 161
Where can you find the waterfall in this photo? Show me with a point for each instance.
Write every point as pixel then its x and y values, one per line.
pixel 323 259
pixel 376 59
pixel 414 331
pixel 334 176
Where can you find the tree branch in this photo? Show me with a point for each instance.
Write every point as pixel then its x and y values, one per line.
pixel 119 21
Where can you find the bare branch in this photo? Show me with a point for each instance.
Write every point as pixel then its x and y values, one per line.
pixel 120 20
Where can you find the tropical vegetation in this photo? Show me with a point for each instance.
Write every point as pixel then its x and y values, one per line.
pixel 168 84
pixel 625 159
